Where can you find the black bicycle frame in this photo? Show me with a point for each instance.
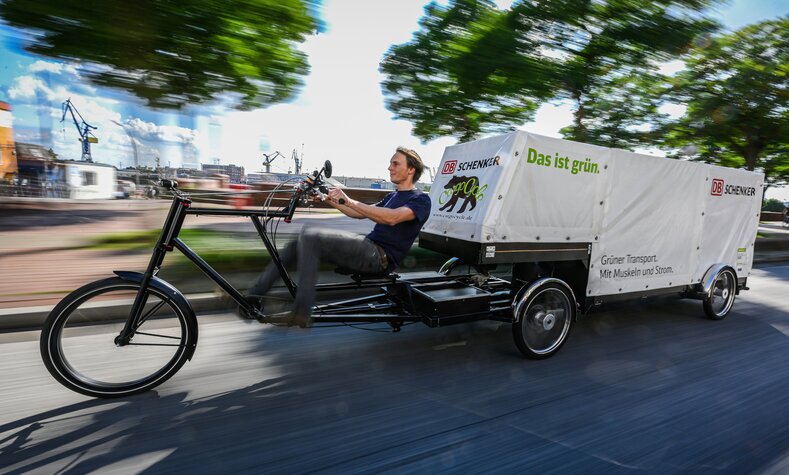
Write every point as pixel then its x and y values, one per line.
pixel 168 240
pixel 365 309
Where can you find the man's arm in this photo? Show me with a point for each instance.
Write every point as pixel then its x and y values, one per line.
pixel 344 209
pixel 377 214
pixel 382 215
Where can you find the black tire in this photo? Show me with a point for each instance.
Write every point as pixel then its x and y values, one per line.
pixel 721 299
pixel 543 320
pixel 78 340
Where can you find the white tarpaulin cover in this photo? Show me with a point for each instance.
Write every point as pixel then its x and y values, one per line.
pixel 651 222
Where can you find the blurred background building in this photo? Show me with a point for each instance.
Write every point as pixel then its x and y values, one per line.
pixel 8 163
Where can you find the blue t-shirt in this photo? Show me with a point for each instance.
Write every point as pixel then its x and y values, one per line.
pixel 397 240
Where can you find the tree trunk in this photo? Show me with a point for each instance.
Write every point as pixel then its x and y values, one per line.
pixel 753 148
pixel 578 117
pixel 751 156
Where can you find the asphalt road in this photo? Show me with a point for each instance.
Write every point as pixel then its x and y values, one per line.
pixel 637 389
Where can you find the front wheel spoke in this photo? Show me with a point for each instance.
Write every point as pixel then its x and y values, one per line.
pixel 154 344
pixel 158 336
pixel 150 313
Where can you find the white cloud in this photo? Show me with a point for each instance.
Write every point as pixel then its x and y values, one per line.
pixel 55 68
pixel 50 81
pixel 49 84
pixel 163 133
pixel 26 87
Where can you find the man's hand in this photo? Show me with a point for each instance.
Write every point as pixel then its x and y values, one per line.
pixel 336 194
pixel 334 197
pixel 318 197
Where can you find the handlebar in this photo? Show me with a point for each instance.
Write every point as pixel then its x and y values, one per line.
pixel 169 184
pixel 292 207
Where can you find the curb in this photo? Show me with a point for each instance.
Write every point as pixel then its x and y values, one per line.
pixel 204 303
pixel 32 318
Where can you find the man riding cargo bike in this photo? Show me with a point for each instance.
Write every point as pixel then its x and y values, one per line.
pixel 539 230
pixel 398 217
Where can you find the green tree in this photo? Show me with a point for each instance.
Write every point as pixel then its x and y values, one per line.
pixel 614 44
pixel 620 112
pixel 175 52
pixel 736 88
pixel 773 205
pixel 472 68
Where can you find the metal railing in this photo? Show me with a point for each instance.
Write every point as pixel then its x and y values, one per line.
pixel 34 188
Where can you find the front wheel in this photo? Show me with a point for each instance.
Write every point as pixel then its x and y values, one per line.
pixel 721 298
pixel 78 340
pixel 544 314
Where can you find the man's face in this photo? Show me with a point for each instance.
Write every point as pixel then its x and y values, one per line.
pixel 398 169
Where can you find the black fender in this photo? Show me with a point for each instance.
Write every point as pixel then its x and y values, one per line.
pixel 178 299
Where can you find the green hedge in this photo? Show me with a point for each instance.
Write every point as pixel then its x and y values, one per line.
pixel 773 205
pixel 234 252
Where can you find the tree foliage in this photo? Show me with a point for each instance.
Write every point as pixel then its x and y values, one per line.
pixel 736 88
pixel 614 44
pixel 472 68
pixel 774 205
pixel 175 52
pixel 618 112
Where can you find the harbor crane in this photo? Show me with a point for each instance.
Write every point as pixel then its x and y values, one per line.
pixel 83 128
pixel 298 160
pixel 270 158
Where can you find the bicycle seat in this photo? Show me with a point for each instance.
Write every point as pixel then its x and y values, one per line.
pixel 358 276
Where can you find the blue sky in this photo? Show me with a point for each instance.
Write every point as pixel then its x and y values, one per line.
pixel 339 114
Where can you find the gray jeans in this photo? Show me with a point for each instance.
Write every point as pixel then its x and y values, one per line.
pixel 313 246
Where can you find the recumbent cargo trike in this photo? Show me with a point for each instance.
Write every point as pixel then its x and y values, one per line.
pixel 579 225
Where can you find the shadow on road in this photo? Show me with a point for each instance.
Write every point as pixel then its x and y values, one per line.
pixel 650 389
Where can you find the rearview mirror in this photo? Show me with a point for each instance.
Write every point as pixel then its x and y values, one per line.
pixel 327 169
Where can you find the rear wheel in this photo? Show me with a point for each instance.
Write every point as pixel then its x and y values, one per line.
pixel 78 340
pixel 544 315
pixel 721 298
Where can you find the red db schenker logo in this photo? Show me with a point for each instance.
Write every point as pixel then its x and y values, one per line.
pixel 717 187
pixel 449 167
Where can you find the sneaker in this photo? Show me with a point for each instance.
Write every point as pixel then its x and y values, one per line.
pixel 291 319
pixel 257 305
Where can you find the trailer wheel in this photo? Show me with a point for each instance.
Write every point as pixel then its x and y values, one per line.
pixel 544 313
pixel 721 297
